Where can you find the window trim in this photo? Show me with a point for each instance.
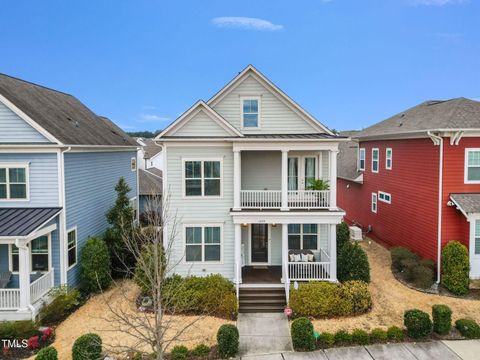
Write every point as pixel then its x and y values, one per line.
pixel 360 152
pixel 76 247
pixel 373 160
pixel 374 202
pixel 301 236
pixel 202 178
pixel 202 226
pixel 10 254
pixel 133 164
pixel 380 193
pixel 259 100
pixel 17 165
pixel 466 167
pixel 388 158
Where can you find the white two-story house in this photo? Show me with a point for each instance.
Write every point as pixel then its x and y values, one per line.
pixel 237 170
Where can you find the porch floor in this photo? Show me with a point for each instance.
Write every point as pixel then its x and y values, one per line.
pixel 261 274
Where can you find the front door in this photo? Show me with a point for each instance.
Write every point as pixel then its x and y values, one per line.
pixel 259 242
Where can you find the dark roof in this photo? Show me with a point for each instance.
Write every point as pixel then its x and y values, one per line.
pixel 468 203
pixel 150 149
pixel 23 221
pixel 156 171
pixel 148 183
pixel 347 158
pixel 62 115
pixel 458 113
pixel 262 136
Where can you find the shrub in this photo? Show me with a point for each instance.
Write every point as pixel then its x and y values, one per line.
pixel 47 353
pixel 64 302
pixel 302 335
pixel 179 352
pixel 326 340
pixel 18 329
pixel 378 335
pixel 455 268
pixel 145 273
pixel 352 263
pixel 399 254
pixel 360 337
pixel 442 319
pixel 423 277
pixel 418 323
pixel 95 265
pixel 324 299
pixel 394 333
pixel 87 347
pixel 342 337
pixel 468 328
pixel 228 341
pixel 201 350
pixel 343 235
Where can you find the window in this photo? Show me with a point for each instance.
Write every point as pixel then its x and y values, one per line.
pixel 310 170
pixel 385 197
pixel 361 159
pixel 374 202
pixel 13 182
pixel 203 243
pixel 388 159
pixel 375 155
pixel 477 237
pixel 292 173
pixel 250 112
pixel 14 265
pixel 133 164
pixel 472 166
pixel 302 236
pixel 39 250
pixel 72 247
pixel 202 178
pixel 133 204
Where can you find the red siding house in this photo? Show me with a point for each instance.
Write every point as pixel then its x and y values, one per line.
pixel 413 179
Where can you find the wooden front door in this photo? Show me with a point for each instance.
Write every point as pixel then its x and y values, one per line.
pixel 259 242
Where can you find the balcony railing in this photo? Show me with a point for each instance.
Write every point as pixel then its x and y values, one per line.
pixel 297 199
pixel 263 199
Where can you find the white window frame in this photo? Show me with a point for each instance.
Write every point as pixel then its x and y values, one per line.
pixel 360 152
pixel 133 164
pixel 202 178
pixel 377 161
pixel 301 236
pixel 374 205
pixel 259 102
pixel 202 244
pixel 10 256
pixel 382 197
pixel 75 246
pixel 12 165
pixel 388 158
pixel 467 151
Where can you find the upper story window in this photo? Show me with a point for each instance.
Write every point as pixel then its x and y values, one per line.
pixel 202 178
pixel 472 166
pixel 388 158
pixel 250 112
pixel 361 159
pixel 375 158
pixel 133 164
pixel 13 182
pixel 385 197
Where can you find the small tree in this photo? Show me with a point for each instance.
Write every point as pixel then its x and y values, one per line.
pixel 455 268
pixel 352 263
pixel 95 271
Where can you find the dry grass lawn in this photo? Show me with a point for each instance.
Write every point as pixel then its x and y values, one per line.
pixel 391 299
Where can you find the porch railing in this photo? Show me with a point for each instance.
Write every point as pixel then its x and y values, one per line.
pixel 309 199
pixel 264 199
pixel 41 286
pixel 272 199
pixel 9 299
pixel 305 271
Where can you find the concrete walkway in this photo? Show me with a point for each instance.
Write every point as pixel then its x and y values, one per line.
pixel 263 333
pixel 433 350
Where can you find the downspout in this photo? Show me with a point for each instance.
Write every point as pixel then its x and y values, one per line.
pixel 63 220
pixel 438 140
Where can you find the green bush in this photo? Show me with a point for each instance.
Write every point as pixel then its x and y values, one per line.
pixel 145 270
pixel 201 350
pixel 179 352
pixel 394 333
pixel 455 268
pixel 228 341
pixel 87 347
pixel 302 335
pixel 343 235
pixel 324 299
pixel 95 273
pixel 399 254
pixel 326 340
pixel 342 337
pixel 468 328
pixel 64 302
pixel 352 263
pixel 418 323
pixel 360 337
pixel 378 335
pixel 423 277
pixel 47 353
pixel 18 329
pixel 442 319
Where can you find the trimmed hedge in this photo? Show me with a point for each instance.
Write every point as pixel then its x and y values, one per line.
pixel 343 235
pixel 324 299
pixel 394 333
pixel 455 268
pixel 201 350
pixel 228 341
pixel 47 353
pixel 468 328
pixel 87 347
pixel 352 263
pixel 442 319
pixel 418 323
pixel 95 266
pixel 302 335
pixel 342 337
pixel 378 335
pixel 18 329
pixel 326 340
pixel 360 337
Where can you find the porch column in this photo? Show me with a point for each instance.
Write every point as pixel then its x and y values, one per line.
pixel 333 180
pixel 237 178
pixel 284 252
pixel 238 253
pixel 333 252
pixel 24 275
pixel 284 180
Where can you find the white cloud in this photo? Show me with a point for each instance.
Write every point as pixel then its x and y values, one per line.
pixel 152 117
pixel 246 23
pixel 438 2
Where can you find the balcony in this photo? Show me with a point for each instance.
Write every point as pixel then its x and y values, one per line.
pixel 296 199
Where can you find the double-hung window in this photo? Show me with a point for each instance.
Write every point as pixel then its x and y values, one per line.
pixel 302 236
pixel 13 182
pixel 385 197
pixel 251 112
pixel 202 177
pixel 472 166
pixel 361 159
pixel 203 243
pixel 39 255
pixel 388 158
pixel 72 247
pixel 374 202
pixel 375 158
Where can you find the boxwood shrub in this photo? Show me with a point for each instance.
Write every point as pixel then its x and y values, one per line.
pixel 442 319
pixel 468 328
pixel 47 353
pixel 87 347
pixel 360 337
pixel 95 266
pixel 326 340
pixel 302 335
pixel 455 268
pixel 179 352
pixel 378 335
pixel 228 341
pixel 418 323
pixel 394 333
pixel 352 263
pixel 342 337
pixel 201 350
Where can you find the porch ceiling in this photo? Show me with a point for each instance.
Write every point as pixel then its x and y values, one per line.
pixel 21 222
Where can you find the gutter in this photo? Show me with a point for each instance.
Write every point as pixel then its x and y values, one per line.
pixel 63 217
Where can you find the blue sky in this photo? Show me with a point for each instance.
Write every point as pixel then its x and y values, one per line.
pixel 350 63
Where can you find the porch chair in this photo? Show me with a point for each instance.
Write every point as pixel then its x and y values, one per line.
pixel 5 279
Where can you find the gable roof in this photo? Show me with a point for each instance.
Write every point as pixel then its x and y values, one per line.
pixel 59 116
pixel 454 114
pixel 347 158
pixel 150 149
pixel 148 183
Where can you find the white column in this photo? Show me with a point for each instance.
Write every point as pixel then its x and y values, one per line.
pixel 284 180
pixel 237 178
pixel 284 251
pixel 24 275
pixel 333 179
pixel 333 252
pixel 238 253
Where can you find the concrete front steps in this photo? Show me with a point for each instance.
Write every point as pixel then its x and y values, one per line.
pixel 262 299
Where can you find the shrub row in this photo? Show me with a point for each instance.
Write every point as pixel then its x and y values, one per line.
pixel 420 272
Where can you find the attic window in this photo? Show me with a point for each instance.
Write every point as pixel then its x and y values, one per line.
pixel 250 112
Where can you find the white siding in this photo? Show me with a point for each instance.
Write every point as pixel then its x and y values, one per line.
pixel 261 170
pixel 201 124
pixel 14 129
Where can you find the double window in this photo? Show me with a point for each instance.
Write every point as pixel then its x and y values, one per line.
pixel 250 112
pixel 388 158
pixel 472 166
pixel 385 197
pixel 374 203
pixel 13 182
pixel 203 243
pixel 303 236
pixel 361 159
pixel 375 158
pixel 39 252
pixel 72 247
pixel 202 177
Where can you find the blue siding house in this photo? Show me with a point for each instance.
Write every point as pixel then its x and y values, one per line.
pixel 59 164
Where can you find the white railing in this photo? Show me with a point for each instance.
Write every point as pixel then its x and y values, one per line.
pixel 286 281
pixel 272 199
pixel 324 257
pixel 237 279
pixel 309 199
pixel 263 199
pixel 9 299
pixel 41 286
pixel 305 271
